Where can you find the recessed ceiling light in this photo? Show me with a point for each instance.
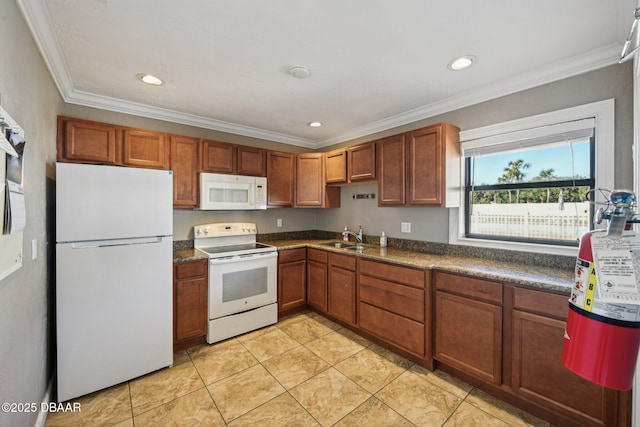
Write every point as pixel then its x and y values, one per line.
pixel 299 72
pixel 315 124
pixel 149 79
pixel 461 63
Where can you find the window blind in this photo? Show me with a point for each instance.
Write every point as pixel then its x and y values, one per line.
pixel 523 139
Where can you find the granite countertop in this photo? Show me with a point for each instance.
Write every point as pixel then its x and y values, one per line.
pixel 182 255
pixel 541 277
pixel 533 276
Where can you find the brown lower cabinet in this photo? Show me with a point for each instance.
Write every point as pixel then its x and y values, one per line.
pixel 508 340
pixel 189 303
pixel 292 280
pixel 317 279
pixel 468 325
pixel 392 307
pixel 342 287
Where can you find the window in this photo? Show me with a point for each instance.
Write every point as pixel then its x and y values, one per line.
pixel 532 190
pixel 526 181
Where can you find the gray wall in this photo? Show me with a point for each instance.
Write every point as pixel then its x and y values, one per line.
pixel 431 224
pixel 30 97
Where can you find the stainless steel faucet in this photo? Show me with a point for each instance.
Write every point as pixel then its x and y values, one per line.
pixel 357 236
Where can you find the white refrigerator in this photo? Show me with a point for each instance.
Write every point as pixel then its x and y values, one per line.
pixel 114 291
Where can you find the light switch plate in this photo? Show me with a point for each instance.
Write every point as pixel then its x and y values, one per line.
pixel 405 227
pixel 279 222
pixel 34 249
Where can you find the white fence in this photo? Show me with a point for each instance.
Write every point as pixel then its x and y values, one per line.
pixel 533 220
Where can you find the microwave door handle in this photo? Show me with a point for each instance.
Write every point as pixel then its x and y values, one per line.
pixel 252 191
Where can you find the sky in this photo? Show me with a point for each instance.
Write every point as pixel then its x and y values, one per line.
pixel 489 168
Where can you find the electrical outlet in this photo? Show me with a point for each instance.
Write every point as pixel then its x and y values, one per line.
pixel 279 222
pixel 405 227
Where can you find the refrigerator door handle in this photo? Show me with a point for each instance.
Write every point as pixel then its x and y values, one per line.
pixel 116 242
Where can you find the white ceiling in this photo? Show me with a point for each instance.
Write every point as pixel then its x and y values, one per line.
pixel 374 64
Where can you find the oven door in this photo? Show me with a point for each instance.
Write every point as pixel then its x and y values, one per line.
pixel 242 283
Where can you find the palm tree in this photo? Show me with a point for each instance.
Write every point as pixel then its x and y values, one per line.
pixel 545 175
pixel 513 174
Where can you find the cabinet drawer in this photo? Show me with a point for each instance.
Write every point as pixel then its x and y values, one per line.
pixel 398 299
pixel 291 255
pixel 186 270
pixel 400 331
pixel 317 255
pixel 469 286
pixel 344 261
pixel 540 302
pixel 394 273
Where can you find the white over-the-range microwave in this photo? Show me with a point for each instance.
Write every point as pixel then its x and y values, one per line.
pixel 232 192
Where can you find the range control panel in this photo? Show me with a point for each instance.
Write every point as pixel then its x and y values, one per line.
pixel 224 229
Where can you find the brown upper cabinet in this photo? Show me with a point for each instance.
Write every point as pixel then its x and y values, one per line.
pixel 311 189
pixel 217 157
pixel 220 157
pixel 361 162
pixel 84 141
pixel 336 166
pixel 144 149
pixel 280 178
pixel 356 163
pixel 251 161
pixel 420 168
pixel 184 164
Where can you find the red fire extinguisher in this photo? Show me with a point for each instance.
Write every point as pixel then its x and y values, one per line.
pixel 603 326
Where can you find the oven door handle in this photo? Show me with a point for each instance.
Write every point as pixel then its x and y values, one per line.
pixel 241 258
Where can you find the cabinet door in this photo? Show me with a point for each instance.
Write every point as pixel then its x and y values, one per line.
pixel 84 141
pixel 391 171
pixel 468 336
pixel 144 149
pixel 539 376
pixel 310 180
pixel 217 157
pixel 280 178
pixel 189 300
pixel 184 164
pixel 292 279
pixel 317 284
pixel 336 166
pixel 362 162
pixel 251 161
pixel 425 161
pixel 342 294
pixel 190 305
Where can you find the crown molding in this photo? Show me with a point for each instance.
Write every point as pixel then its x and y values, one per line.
pixel 137 109
pixel 570 67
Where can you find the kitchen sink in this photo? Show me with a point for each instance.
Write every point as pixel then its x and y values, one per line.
pixel 357 248
pixel 337 244
pixel 347 245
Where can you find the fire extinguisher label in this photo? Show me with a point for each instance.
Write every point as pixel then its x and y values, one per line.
pixel 584 288
pixel 616 262
pixel 591 289
pixel 584 295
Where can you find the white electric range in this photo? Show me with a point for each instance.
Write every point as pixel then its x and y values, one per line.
pixel 242 279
